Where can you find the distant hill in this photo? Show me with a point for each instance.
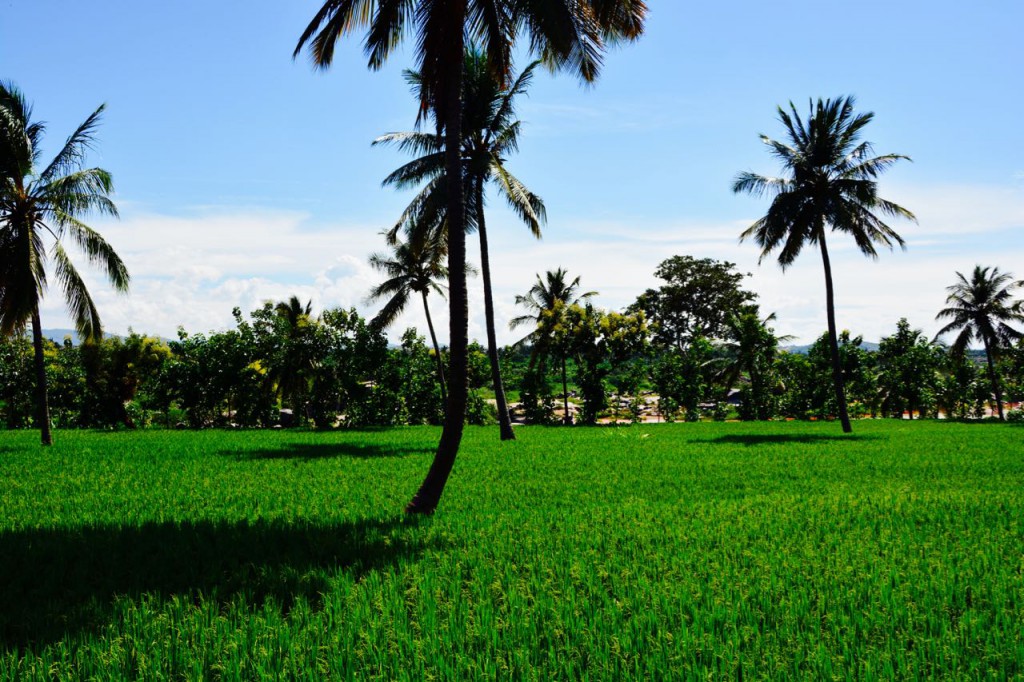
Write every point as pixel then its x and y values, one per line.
pixel 58 335
pixel 802 350
pixel 975 354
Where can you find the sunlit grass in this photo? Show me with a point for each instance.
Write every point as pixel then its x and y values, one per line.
pixel 664 552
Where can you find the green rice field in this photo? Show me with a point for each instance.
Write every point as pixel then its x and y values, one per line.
pixel 679 551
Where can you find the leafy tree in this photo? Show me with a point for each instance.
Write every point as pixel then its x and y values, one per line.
pixel 696 299
pixel 114 370
pixel 548 301
pixel 42 205
pixel 857 372
pixel 751 347
pixel 415 267
pixel 16 381
pixel 796 384
pixel 568 34
pixel 830 183
pixel 353 376
pixel 598 340
pixel 490 133
pixel 682 378
pixel 958 385
pixel 418 380
pixel 907 371
pixel 982 309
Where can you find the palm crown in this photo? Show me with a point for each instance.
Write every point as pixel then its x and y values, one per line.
pixel 413 267
pixel 490 133
pixel 981 309
pixel 831 180
pixel 547 294
pixel 40 207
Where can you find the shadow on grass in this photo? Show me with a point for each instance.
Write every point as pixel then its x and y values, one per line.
pixel 311 451
pixel 751 440
pixel 59 581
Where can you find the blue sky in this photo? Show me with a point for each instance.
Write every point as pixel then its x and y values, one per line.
pixel 243 175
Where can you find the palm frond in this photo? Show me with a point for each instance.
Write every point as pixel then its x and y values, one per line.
pixel 80 304
pixel 72 154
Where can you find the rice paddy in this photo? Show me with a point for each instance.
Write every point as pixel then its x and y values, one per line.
pixel 677 551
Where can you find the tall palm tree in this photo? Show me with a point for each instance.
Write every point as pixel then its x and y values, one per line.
pixel 830 184
pixel 982 308
pixel 40 206
pixel 490 133
pixel 547 301
pixel 569 34
pixel 416 267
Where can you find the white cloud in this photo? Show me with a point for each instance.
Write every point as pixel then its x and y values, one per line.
pixel 192 270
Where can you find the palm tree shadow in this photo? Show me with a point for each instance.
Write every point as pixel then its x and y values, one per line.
pixel 312 451
pixel 753 440
pixel 58 581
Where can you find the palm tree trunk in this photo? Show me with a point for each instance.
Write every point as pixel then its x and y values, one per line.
pixel 504 421
pixel 437 350
pixel 429 494
pixel 995 380
pixel 565 395
pixel 42 402
pixel 833 341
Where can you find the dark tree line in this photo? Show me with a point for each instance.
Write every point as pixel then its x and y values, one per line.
pixel 279 366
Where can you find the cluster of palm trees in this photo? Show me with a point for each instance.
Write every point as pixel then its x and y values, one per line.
pixel 831 185
pixel 569 35
pixel 41 208
pixel 981 309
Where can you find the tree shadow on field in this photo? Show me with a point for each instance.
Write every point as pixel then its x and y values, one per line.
pixel 57 581
pixel 311 451
pixel 752 440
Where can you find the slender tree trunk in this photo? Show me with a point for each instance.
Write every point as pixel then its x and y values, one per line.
pixel 504 421
pixel 429 494
pixel 42 402
pixel 437 350
pixel 830 304
pixel 995 381
pixel 565 395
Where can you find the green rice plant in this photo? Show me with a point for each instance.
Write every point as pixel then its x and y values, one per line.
pixel 677 551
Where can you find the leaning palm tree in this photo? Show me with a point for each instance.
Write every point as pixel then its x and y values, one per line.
pixel 490 133
pixel 569 34
pixel 416 267
pixel 547 300
pixel 41 207
pixel 830 185
pixel 982 308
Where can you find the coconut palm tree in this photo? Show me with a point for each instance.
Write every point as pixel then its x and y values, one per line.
pixel 751 346
pixel 830 185
pixel 294 361
pixel 40 208
pixel 982 308
pixel 569 34
pixel 416 267
pixel 490 133
pixel 547 302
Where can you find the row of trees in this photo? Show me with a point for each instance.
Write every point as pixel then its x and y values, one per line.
pixel 686 359
pixel 279 365
pixel 699 342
